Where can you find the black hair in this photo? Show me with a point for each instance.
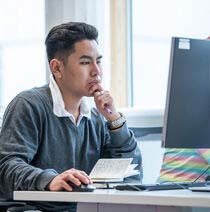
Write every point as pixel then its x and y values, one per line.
pixel 61 39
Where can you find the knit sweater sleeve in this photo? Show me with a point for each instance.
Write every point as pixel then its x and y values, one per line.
pixel 121 143
pixel 19 141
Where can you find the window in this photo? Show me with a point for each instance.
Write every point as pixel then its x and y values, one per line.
pixel 154 23
pixel 22 51
pixel 22 33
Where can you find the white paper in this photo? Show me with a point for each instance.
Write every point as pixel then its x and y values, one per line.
pixel 115 170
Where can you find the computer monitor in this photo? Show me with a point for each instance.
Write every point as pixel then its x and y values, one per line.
pixel 187 111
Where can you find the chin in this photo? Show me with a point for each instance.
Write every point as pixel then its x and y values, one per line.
pixel 88 95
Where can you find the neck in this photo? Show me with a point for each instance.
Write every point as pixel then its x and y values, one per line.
pixel 72 105
pixel 72 102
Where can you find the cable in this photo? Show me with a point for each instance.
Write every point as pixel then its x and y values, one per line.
pixel 135 188
pixel 178 184
pixel 181 185
pixel 201 174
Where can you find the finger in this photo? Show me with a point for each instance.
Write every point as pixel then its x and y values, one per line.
pixel 98 93
pixel 104 100
pixel 58 184
pixel 77 176
pixel 66 186
pixel 85 174
pixel 94 88
pixel 83 178
pixel 70 176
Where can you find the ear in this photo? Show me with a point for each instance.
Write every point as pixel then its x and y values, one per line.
pixel 56 67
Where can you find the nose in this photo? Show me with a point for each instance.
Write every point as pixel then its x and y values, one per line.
pixel 96 70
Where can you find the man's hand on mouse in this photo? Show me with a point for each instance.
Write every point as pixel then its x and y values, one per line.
pixel 60 182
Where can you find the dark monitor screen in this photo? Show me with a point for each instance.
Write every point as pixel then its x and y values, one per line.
pixel 187 111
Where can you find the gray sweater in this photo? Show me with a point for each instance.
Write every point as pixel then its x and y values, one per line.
pixel 36 145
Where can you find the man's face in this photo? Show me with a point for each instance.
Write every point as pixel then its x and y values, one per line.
pixel 82 70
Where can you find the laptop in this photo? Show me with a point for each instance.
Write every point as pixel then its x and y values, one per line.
pixel 200 188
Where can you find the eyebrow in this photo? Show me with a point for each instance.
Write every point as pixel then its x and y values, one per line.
pixel 89 57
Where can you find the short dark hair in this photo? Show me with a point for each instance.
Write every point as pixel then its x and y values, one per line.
pixel 61 39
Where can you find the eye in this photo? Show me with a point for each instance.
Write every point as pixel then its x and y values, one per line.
pixel 84 62
pixel 98 61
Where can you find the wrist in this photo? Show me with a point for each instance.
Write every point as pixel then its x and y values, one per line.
pixel 113 117
pixel 117 123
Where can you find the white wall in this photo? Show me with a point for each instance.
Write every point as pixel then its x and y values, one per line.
pixel 152 155
pixel 1 115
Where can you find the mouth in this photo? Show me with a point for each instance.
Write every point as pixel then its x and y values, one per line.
pixel 96 80
pixel 93 82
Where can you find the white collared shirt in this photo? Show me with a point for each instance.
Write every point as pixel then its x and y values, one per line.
pixel 59 105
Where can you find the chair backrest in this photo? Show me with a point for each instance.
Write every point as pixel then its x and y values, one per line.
pixel 5 204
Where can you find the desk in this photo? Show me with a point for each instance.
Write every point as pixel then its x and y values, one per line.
pixel 123 201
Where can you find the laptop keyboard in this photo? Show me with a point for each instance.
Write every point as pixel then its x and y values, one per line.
pixel 156 187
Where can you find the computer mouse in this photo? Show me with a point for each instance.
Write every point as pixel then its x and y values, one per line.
pixel 82 188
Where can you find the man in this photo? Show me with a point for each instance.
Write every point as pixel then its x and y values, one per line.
pixel 49 135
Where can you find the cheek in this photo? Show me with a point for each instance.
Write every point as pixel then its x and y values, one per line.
pixel 101 71
pixel 83 73
pixel 77 73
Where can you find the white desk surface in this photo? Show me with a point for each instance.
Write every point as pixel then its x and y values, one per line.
pixel 164 198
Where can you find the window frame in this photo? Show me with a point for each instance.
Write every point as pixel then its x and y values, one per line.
pixel 121 36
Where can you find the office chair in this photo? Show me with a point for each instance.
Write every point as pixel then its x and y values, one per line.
pixel 15 206
pixel 5 204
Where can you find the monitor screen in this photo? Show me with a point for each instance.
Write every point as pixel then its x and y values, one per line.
pixel 187 111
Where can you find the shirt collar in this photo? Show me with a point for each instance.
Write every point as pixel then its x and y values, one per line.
pixel 59 105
